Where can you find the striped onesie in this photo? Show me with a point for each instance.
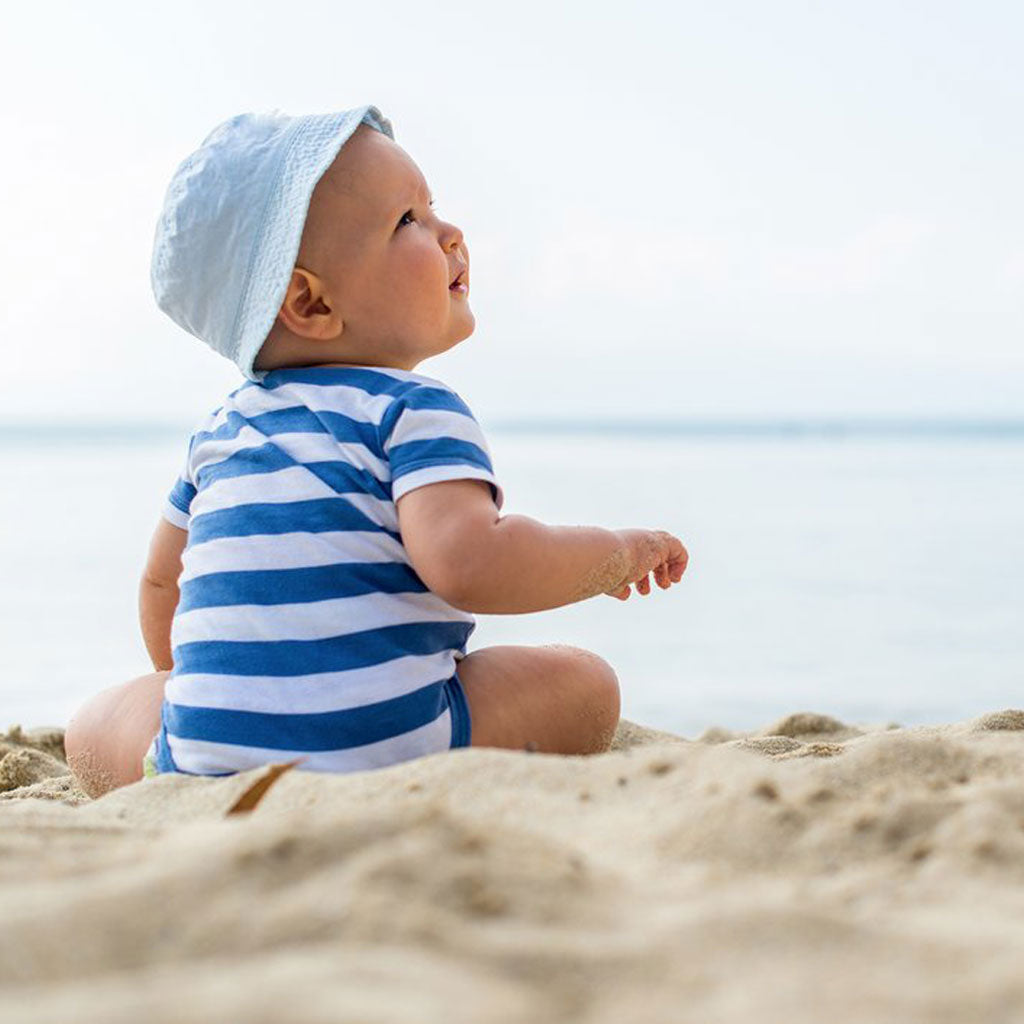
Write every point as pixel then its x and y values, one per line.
pixel 302 628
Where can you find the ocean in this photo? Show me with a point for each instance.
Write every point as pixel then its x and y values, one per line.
pixel 870 571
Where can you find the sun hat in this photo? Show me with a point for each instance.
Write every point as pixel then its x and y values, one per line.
pixel 229 232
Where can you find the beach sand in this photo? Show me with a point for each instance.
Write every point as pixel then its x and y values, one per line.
pixel 811 871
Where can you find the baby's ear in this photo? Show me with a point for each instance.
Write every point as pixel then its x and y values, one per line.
pixel 306 309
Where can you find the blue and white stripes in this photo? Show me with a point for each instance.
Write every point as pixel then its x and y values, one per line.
pixel 302 628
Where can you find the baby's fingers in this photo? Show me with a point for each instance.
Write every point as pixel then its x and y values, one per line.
pixel 677 566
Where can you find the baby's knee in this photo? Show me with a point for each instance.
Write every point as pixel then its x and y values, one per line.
pixel 606 703
pixel 597 689
pixel 604 682
pixel 107 736
pixel 592 670
pixel 84 758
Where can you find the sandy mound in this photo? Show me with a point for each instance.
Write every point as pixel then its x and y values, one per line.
pixel 811 871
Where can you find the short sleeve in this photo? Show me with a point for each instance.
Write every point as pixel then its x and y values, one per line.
pixel 179 501
pixel 430 436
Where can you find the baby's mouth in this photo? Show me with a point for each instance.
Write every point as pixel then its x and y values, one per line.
pixel 459 284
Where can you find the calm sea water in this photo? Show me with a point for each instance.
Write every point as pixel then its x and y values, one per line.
pixel 868 572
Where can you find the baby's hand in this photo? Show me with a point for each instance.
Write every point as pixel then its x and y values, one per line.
pixel 651 551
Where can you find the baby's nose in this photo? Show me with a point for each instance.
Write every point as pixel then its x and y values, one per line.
pixel 451 237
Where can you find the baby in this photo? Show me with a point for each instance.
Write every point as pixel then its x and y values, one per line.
pixel 310 591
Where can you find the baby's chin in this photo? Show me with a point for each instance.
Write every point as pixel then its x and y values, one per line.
pixel 462 334
pixel 472 325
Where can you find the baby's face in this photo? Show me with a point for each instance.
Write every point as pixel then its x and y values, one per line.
pixel 386 260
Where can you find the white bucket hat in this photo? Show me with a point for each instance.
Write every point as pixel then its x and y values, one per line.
pixel 229 232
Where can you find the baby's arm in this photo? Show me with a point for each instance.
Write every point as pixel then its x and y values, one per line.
pixel 479 561
pixel 158 591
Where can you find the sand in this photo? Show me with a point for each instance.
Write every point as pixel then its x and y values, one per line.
pixel 810 871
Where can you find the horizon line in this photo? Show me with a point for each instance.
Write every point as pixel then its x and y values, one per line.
pixel 789 427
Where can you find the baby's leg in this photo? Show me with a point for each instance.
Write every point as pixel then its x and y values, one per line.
pixel 553 699
pixel 108 736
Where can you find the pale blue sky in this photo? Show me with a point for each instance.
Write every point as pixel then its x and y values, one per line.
pixel 732 209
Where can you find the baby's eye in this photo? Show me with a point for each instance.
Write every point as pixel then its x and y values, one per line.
pixel 408 213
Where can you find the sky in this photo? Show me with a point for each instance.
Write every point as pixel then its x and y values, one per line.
pixel 673 210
